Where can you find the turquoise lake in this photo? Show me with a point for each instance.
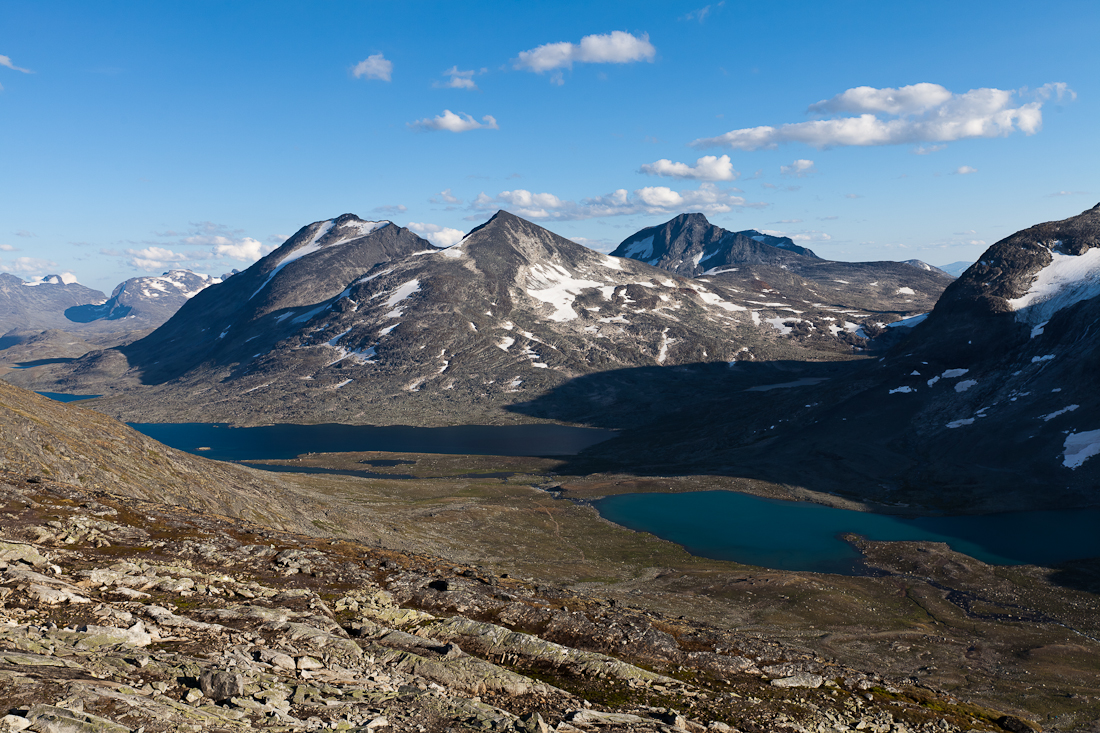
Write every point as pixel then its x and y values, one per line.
pixel 789 535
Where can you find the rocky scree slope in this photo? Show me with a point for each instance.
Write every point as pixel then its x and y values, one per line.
pixel 119 615
pixel 140 302
pixel 42 304
pixel 824 294
pixel 989 404
pixel 86 448
pixel 427 336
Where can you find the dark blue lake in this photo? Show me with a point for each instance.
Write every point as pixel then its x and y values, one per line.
pixel 226 443
pixel 62 397
pixel 790 535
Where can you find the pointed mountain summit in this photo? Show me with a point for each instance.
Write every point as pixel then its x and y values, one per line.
pixel 751 261
pixel 689 245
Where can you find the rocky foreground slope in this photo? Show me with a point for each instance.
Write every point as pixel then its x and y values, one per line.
pixel 122 615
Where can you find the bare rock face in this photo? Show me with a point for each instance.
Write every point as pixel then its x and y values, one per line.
pixel 220 685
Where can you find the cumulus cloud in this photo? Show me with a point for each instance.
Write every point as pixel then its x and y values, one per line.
pixel 154 258
pixel 392 209
pixel 921 113
pixel 375 66
pixel 963 170
pixel 452 122
pixel 707 168
pixel 204 242
pixel 26 265
pixel 437 235
pixel 458 80
pixel 708 198
pixel 617 47
pixel 445 197
pixel 798 169
pixel 908 100
pixel 7 248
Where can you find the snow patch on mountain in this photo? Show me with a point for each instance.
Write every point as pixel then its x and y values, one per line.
pixel 1067 280
pixel 555 285
pixel 1079 447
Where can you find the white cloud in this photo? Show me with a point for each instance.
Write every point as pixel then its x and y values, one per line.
pixel 702 13
pixel 458 80
pixel 808 235
pixel 451 122
pixel 908 100
pixel 26 265
pixel 965 170
pixel 617 47
pixel 798 169
pixel 437 235
pixel 245 249
pixel 375 66
pixel 5 61
pixel 7 248
pixel 708 198
pixel 390 209
pixel 707 168
pixel 445 197
pixel 927 149
pixel 921 113
pixel 154 258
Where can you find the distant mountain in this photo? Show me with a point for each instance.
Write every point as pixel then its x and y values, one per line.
pixel 925 266
pixel 142 302
pixel 318 331
pixel 41 304
pixel 775 268
pixel 988 404
pixel 689 245
pixel 956 268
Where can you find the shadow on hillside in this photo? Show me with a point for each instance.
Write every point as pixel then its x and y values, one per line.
pixel 686 419
pixel 777 423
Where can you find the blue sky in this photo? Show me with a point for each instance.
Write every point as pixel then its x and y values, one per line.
pixel 140 136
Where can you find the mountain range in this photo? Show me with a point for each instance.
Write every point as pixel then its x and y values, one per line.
pixel 359 321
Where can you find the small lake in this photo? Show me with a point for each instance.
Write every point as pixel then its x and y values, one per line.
pixel 62 397
pixel 225 443
pixel 791 535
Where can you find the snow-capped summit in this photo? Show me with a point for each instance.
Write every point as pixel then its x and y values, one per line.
pixel 142 302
